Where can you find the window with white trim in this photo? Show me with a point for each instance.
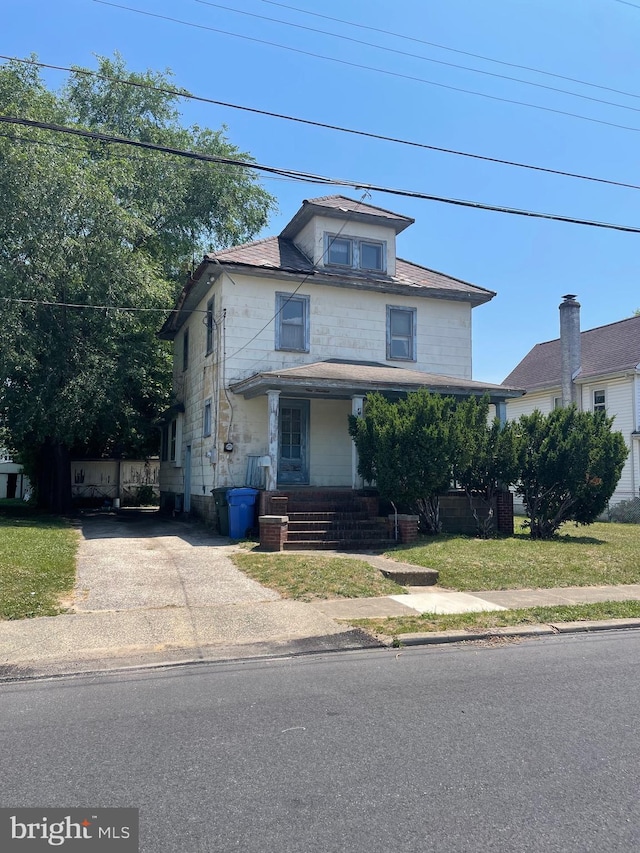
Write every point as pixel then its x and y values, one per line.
pixel 354 253
pixel 401 333
pixel 557 402
pixel 599 401
pixel 206 418
pixel 292 322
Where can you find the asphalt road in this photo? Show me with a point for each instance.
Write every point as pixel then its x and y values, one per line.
pixel 517 747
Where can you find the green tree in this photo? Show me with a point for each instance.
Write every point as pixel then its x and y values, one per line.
pixel 485 461
pixel 407 448
pixel 103 225
pixel 569 464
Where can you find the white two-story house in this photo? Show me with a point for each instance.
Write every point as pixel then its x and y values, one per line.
pixel 279 340
pixel 596 370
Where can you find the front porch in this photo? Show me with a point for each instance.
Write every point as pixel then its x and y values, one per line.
pixel 329 519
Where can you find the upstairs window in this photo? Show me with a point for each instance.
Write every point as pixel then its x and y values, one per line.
pixel 401 333
pixel 355 254
pixel 599 401
pixel 340 252
pixel 292 322
pixel 210 325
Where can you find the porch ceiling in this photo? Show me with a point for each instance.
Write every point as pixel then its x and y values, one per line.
pixel 345 379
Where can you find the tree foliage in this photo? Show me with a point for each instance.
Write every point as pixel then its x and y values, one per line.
pixel 86 223
pixel 485 461
pixel 407 448
pixel 569 463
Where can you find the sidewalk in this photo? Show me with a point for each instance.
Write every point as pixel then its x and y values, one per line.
pixel 441 601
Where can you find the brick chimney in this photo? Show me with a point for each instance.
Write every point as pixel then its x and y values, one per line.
pixel 570 351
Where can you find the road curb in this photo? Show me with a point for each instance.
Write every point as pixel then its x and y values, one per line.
pixel 441 637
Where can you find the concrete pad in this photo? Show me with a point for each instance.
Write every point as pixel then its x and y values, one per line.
pixel 362 608
pixel 445 602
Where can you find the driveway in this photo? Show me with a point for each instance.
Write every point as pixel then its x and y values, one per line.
pixel 152 590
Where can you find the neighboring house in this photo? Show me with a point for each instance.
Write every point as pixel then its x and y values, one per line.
pixel 597 370
pixel 276 342
pixel 13 482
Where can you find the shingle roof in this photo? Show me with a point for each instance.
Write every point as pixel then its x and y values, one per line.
pixel 352 205
pixel 605 349
pixel 341 207
pixel 272 252
pixel 344 376
pixel 278 253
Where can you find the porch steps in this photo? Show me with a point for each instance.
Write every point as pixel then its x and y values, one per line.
pixel 333 521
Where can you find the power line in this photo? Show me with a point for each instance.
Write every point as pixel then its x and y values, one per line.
pixel 122 308
pixel 309 177
pixel 456 50
pixel 418 56
pixel 311 123
pixel 626 3
pixel 346 62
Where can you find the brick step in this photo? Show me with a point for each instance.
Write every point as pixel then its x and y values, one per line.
pixel 329 517
pixel 338 533
pixel 333 526
pixel 322 506
pixel 339 545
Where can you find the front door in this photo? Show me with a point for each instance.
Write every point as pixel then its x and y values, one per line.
pixel 293 463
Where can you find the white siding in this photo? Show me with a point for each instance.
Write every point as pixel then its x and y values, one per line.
pixel 311 239
pixel 330 443
pixel 345 323
pixel 621 403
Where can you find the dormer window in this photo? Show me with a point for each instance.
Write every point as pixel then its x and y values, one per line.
pixel 354 253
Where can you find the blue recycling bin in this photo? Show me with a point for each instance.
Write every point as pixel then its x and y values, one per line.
pixel 242 511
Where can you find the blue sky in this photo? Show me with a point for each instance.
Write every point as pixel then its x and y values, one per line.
pixel 530 263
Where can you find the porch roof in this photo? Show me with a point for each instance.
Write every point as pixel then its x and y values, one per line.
pixel 344 379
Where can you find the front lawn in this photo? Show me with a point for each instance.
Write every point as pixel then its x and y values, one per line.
pixel 307 578
pixel 427 622
pixel 37 562
pixel 597 555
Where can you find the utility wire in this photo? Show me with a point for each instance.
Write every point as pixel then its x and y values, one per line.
pixel 309 177
pixel 419 56
pixel 311 123
pixel 456 50
pixel 50 304
pixel 385 71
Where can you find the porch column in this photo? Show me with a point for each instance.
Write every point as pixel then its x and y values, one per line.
pixel 357 408
pixel 273 399
pixel 501 412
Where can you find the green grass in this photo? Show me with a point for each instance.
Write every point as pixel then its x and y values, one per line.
pixel 37 562
pixel 597 555
pixel 428 622
pixel 308 578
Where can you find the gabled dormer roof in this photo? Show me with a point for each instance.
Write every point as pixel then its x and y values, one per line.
pixel 341 207
pixel 606 349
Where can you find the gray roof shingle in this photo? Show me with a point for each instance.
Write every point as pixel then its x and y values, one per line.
pixel 605 349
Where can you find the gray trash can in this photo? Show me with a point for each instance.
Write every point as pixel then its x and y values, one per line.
pixel 222 509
